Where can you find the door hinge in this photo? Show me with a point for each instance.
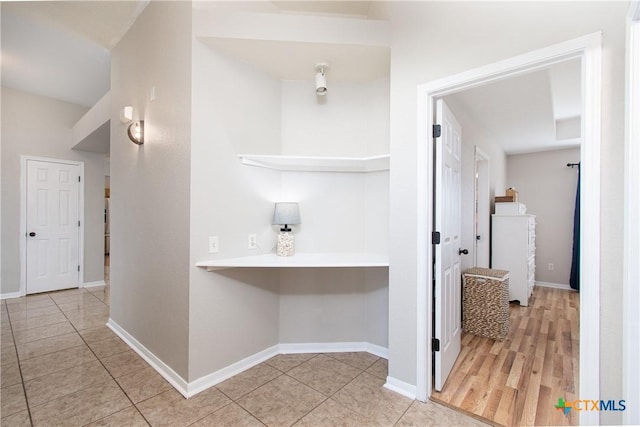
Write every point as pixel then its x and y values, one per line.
pixel 435 344
pixel 437 131
pixel 78 268
pixel 78 179
pixel 78 223
pixel 435 237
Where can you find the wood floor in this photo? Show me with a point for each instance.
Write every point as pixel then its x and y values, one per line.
pixel 519 380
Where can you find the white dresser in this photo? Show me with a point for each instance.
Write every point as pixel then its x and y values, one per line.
pixel 513 248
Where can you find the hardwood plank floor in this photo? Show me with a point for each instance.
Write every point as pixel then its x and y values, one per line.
pixel 518 381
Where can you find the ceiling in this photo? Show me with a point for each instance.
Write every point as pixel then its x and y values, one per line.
pixel 61 50
pixel 537 111
pixel 347 63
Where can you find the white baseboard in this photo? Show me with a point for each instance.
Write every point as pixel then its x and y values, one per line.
pixel 554 285
pixel 8 295
pixel 377 350
pixel 162 368
pixel 95 284
pixel 400 387
pixel 188 389
pixel 333 347
pixel 217 377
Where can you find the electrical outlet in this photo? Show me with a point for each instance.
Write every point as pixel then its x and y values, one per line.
pixel 213 244
pixel 253 241
pixel 550 267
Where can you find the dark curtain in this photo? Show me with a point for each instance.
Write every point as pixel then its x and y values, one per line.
pixel 574 280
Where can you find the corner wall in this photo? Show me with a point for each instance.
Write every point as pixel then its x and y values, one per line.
pixel 151 183
pixel 236 109
pixel 240 109
pixel 39 126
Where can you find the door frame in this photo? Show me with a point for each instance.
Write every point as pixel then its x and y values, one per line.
pixel 631 272
pixel 589 49
pixel 480 155
pixel 23 217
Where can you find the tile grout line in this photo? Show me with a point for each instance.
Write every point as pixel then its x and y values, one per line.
pixel 334 393
pixel 404 413
pixel 219 409
pixel 103 366
pixel 15 346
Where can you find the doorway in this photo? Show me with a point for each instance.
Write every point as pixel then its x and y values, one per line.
pixel 51 224
pixel 588 49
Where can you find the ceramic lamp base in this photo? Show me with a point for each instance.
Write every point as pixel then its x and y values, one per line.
pixel 285 244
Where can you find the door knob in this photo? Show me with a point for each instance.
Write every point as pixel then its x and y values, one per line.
pixel 463 251
pixel 32 234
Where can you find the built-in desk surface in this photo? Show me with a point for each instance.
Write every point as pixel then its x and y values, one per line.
pixel 299 260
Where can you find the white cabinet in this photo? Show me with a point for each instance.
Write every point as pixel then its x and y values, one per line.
pixel 513 248
pixel 511 208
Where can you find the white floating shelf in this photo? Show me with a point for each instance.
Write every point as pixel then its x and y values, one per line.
pixel 318 164
pixel 299 260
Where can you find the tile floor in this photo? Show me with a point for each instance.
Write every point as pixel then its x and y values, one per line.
pixel 62 366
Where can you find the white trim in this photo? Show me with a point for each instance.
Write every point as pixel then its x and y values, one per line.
pixel 631 263
pixel 401 387
pixel 189 389
pixel 96 284
pixel 377 350
pixel 162 368
pixel 23 216
pixel 589 49
pixel 478 156
pixel 9 295
pixel 225 373
pixel 561 286
pixel 334 347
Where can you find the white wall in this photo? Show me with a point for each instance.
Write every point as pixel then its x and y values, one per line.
pixel 236 109
pixel 431 40
pixel 39 126
pixel 351 120
pixel 150 183
pixel 474 134
pixel 340 212
pixel 548 188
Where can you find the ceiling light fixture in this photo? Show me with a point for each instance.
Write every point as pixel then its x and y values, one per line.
pixel 321 79
pixel 135 131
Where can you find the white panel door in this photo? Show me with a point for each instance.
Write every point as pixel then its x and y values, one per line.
pixel 447 292
pixel 53 229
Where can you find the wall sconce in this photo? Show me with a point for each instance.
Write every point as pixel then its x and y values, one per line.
pixel 321 79
pixel 285 214
pixel 135 131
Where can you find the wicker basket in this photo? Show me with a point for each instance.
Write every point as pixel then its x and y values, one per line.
pixel 485 302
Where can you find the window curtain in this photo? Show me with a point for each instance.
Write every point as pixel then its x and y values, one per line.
pixel 574 279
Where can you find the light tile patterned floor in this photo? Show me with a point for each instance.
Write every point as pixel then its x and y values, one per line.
pixel 62 366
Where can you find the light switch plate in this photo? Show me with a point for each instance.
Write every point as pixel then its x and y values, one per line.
pixel 213 244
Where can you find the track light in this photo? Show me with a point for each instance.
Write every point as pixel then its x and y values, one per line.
pixel 321 79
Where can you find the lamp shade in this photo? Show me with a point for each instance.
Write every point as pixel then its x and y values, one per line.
pixel 286 213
